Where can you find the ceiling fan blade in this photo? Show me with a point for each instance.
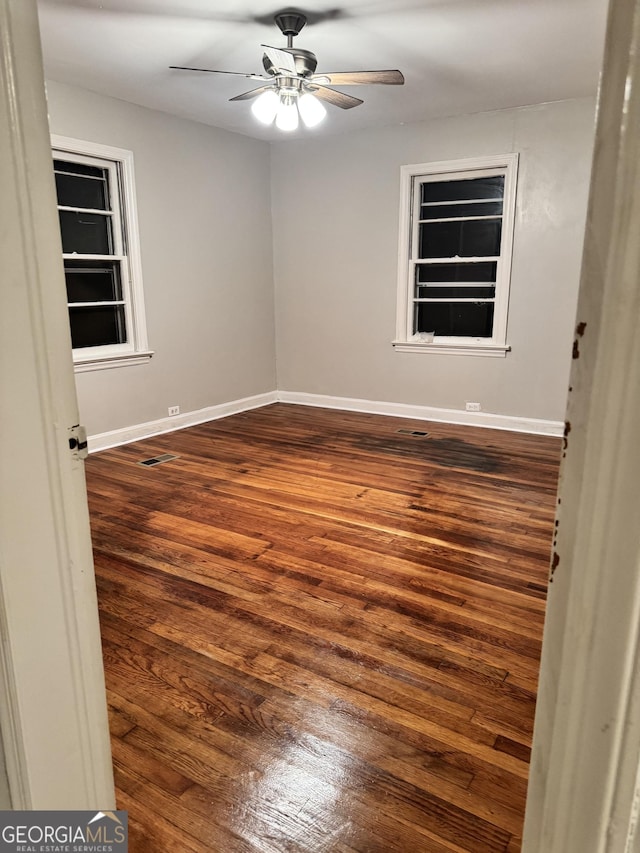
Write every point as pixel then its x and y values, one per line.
pixel 338 99
pixel 356 78
pixel 213 71
pixel 252 93
pixel 280 59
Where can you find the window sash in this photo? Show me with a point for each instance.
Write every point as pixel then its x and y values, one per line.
pixel 126 300
pixel 115 211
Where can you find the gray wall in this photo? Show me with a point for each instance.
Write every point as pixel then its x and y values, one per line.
pixel 205 232
pixel 335 221
pixel 208 201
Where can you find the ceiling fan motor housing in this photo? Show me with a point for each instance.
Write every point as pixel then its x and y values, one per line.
pixel 305 62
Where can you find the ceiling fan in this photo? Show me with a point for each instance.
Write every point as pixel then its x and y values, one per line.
pixel 291 86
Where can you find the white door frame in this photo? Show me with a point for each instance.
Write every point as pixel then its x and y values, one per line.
pixel 52 694
pixel 583 791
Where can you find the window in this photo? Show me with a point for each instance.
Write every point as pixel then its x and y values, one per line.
pixel 456 232
pixel 98 226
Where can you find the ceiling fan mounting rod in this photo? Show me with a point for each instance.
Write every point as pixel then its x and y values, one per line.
pixel 290 22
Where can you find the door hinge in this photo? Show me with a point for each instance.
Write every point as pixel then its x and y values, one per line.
pixel 78 441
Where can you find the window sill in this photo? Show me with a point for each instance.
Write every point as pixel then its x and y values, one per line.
pixel 85 364
pixel 490 350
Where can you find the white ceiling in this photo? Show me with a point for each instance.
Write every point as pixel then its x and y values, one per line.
pixel 458 56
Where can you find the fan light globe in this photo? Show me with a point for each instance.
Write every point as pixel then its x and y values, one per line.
pixel 265 107
pixel 311 110
pixel 287 115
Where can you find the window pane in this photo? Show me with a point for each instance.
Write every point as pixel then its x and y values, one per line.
pixel 95 327
pixel 483 271
pixel 454 319
pixel 487 291
pixel 460 239
pixel 85 233
pixel 446 211
pixel 462 190
pixel 80 191
pixel 78 168
pixel 93 281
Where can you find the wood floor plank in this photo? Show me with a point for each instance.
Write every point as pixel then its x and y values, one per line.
pixel 322 635
pixel 137 663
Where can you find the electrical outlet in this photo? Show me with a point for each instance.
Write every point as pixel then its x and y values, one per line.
pixel 174 410
pixel 473 407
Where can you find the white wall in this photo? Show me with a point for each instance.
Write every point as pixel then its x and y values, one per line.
pixel 205 232
pixel 335 221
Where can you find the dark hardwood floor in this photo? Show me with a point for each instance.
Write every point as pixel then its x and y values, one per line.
pixel 322 635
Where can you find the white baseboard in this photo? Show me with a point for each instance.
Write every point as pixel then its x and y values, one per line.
pixel 116 437
pixel 426 413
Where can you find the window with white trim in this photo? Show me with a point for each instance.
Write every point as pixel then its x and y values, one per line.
pixel 456 235
pixel 98 226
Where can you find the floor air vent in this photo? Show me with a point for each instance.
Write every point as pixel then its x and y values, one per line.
pixel 157 460
pixel 415 432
